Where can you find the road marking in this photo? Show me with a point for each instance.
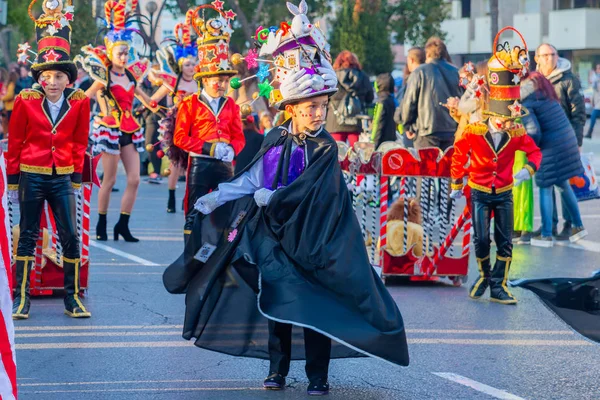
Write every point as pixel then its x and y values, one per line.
pixel 501 342
pixel 117 264
pixel 123 254
pixel 181 343
pixel 127 273
pixel 165 238
pixel 175 389
pixel 583 217
pixel 100 334
pixel 480 387
pixel 489 332
pixel 85 327
pixel 131 382
pixel 581 245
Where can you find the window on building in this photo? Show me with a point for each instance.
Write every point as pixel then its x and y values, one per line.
pixel 530 6
pixel 465 9
pixel 569 4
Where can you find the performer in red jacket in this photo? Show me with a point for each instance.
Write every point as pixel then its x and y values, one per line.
pixel 490 148
pixel 208 124
pixel 46 148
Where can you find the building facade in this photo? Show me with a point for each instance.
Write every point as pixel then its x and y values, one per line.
pixel 572 26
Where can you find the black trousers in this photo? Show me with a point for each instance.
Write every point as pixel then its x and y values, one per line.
pixel 316 346
pixel 34 189
pixel 501 205
pixel 203 175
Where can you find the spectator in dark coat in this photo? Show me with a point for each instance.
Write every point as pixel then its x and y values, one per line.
pixel 384 128
pixel 254 142
pixel 549 127
pixel 568 89
pixel 351 80
pixel 414 58
pixel 429 85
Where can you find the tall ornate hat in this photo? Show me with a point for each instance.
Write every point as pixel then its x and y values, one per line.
pixel 213 41
pixel 118 22
pixel 506 68
pixel 173 54
pixel 53 33
pixel 299 54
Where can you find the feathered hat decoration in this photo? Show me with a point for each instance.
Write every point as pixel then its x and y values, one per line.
pixel 118 19
pixel 183 38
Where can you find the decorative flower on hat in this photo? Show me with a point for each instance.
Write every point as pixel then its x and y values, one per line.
pixel 515 108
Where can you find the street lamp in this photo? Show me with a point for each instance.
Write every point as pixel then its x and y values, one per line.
pixel 151 8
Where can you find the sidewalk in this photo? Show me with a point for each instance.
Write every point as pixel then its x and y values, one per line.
pixel 593 145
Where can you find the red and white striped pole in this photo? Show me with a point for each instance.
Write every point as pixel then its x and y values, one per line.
pixel 85 231
pixel 467 236
pixel 383 207
pixel 460 223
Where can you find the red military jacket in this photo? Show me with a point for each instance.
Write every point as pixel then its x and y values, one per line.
pixel 489 168
pixel 37 145
pixel 198 129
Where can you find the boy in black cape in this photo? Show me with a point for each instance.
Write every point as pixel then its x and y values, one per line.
pixel 281 240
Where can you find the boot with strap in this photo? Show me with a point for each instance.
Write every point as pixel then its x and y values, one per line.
pixel 499 290
pixel 73 306
pixel 21 303
pixel 483 282
pixel 122 228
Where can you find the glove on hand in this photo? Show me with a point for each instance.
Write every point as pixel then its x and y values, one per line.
pixel 207 203
pixel 13 196
pixel 263 197
pixel 456 194
pixel 228 157
pixel 521 176
pixel 295 84
pixel 222 151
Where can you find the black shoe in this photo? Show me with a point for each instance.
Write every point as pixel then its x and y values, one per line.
pixel 74 308
pixel 577 234
pixel 318 387
pixel 114 189
pixel 542 241
pixel 588 136
pixel 171 202
pixel 515 236
pixel 565 234
pixel 21 307
pixel 483 282
pixel 525 238
pixel 538 232
pixel 498 290
pixel 274 381
pixel 101 234
pixel 181 178
pixel 122 228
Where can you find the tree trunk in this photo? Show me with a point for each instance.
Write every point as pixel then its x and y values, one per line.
pixel 4 45
pixel 494 19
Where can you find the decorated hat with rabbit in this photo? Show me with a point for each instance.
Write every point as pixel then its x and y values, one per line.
pixel 214 35
pixel 293 60
pixel 507 66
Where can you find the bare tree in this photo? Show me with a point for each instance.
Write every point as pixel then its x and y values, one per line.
pixel 494 18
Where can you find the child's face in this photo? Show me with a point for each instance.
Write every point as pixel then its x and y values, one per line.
pixel 502 123
pixel 216 86
pixel 309 114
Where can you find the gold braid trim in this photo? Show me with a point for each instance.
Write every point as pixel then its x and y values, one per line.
pixel 30 94
pixel 78 95
pixel 13 186
pixel 457 186
pixel 477 128
pixel 530 169
pixel 520 131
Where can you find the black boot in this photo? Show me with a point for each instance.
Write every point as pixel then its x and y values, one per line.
pixel 499 291
pixel 101 228
pixel 22 303
pixel 274 381
pixel 483 282
pixel 73 306
pixel 171 202
pixel 122 228
pixel 318 387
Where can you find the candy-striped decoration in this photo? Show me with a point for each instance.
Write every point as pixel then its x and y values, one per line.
pixel 467 237
pixel 404 191
pixel 114 13
pixel 441 253
pixel 430 217
pixel 383 207
pixel 85 233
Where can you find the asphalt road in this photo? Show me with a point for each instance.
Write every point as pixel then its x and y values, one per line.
pixel 460 349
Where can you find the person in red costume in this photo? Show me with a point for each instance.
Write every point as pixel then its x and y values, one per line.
pixel 208 124
pixel 46 149
pixel 117 133
pixel 489 147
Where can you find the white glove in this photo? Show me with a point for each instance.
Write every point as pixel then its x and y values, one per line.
pixel 77 191
pixel 327 73
pixel 207 203
pixel 521 176
pixel 229 155
pixel 295 84
pixel 456 194
pixel 222 152
pixel 13 196
pixel 263 197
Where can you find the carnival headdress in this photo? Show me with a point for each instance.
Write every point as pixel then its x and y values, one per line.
pixel 53 33
pixel 506 68
pixel 300 59
pixel 117 14
pixel 213 41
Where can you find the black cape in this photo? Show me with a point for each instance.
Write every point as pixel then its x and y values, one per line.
pixel 300 260
pixel 575 300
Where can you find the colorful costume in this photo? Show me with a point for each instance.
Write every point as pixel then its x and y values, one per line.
pixel 279 246
pixel 118 127
pixel 46 150
pixel 211 134
pixel 490 150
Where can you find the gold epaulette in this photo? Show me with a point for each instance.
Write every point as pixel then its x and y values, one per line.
pixel 189 97
pixel 30 94
pixel 477 128
pixel 78 94
pixel 518 131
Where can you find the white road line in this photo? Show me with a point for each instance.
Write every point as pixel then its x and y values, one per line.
pixel 175 389
pixel 131 382
pixel 93 327
pixel 480 387
pixel 582 245
pixel 127 273
pixel 123 254
pixel 163 238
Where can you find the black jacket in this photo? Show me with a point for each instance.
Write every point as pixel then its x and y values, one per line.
pixel 254 142
pixel 568 90
pixel 349 80
pixel 549 127
pixel 428 86
pixel 384 128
